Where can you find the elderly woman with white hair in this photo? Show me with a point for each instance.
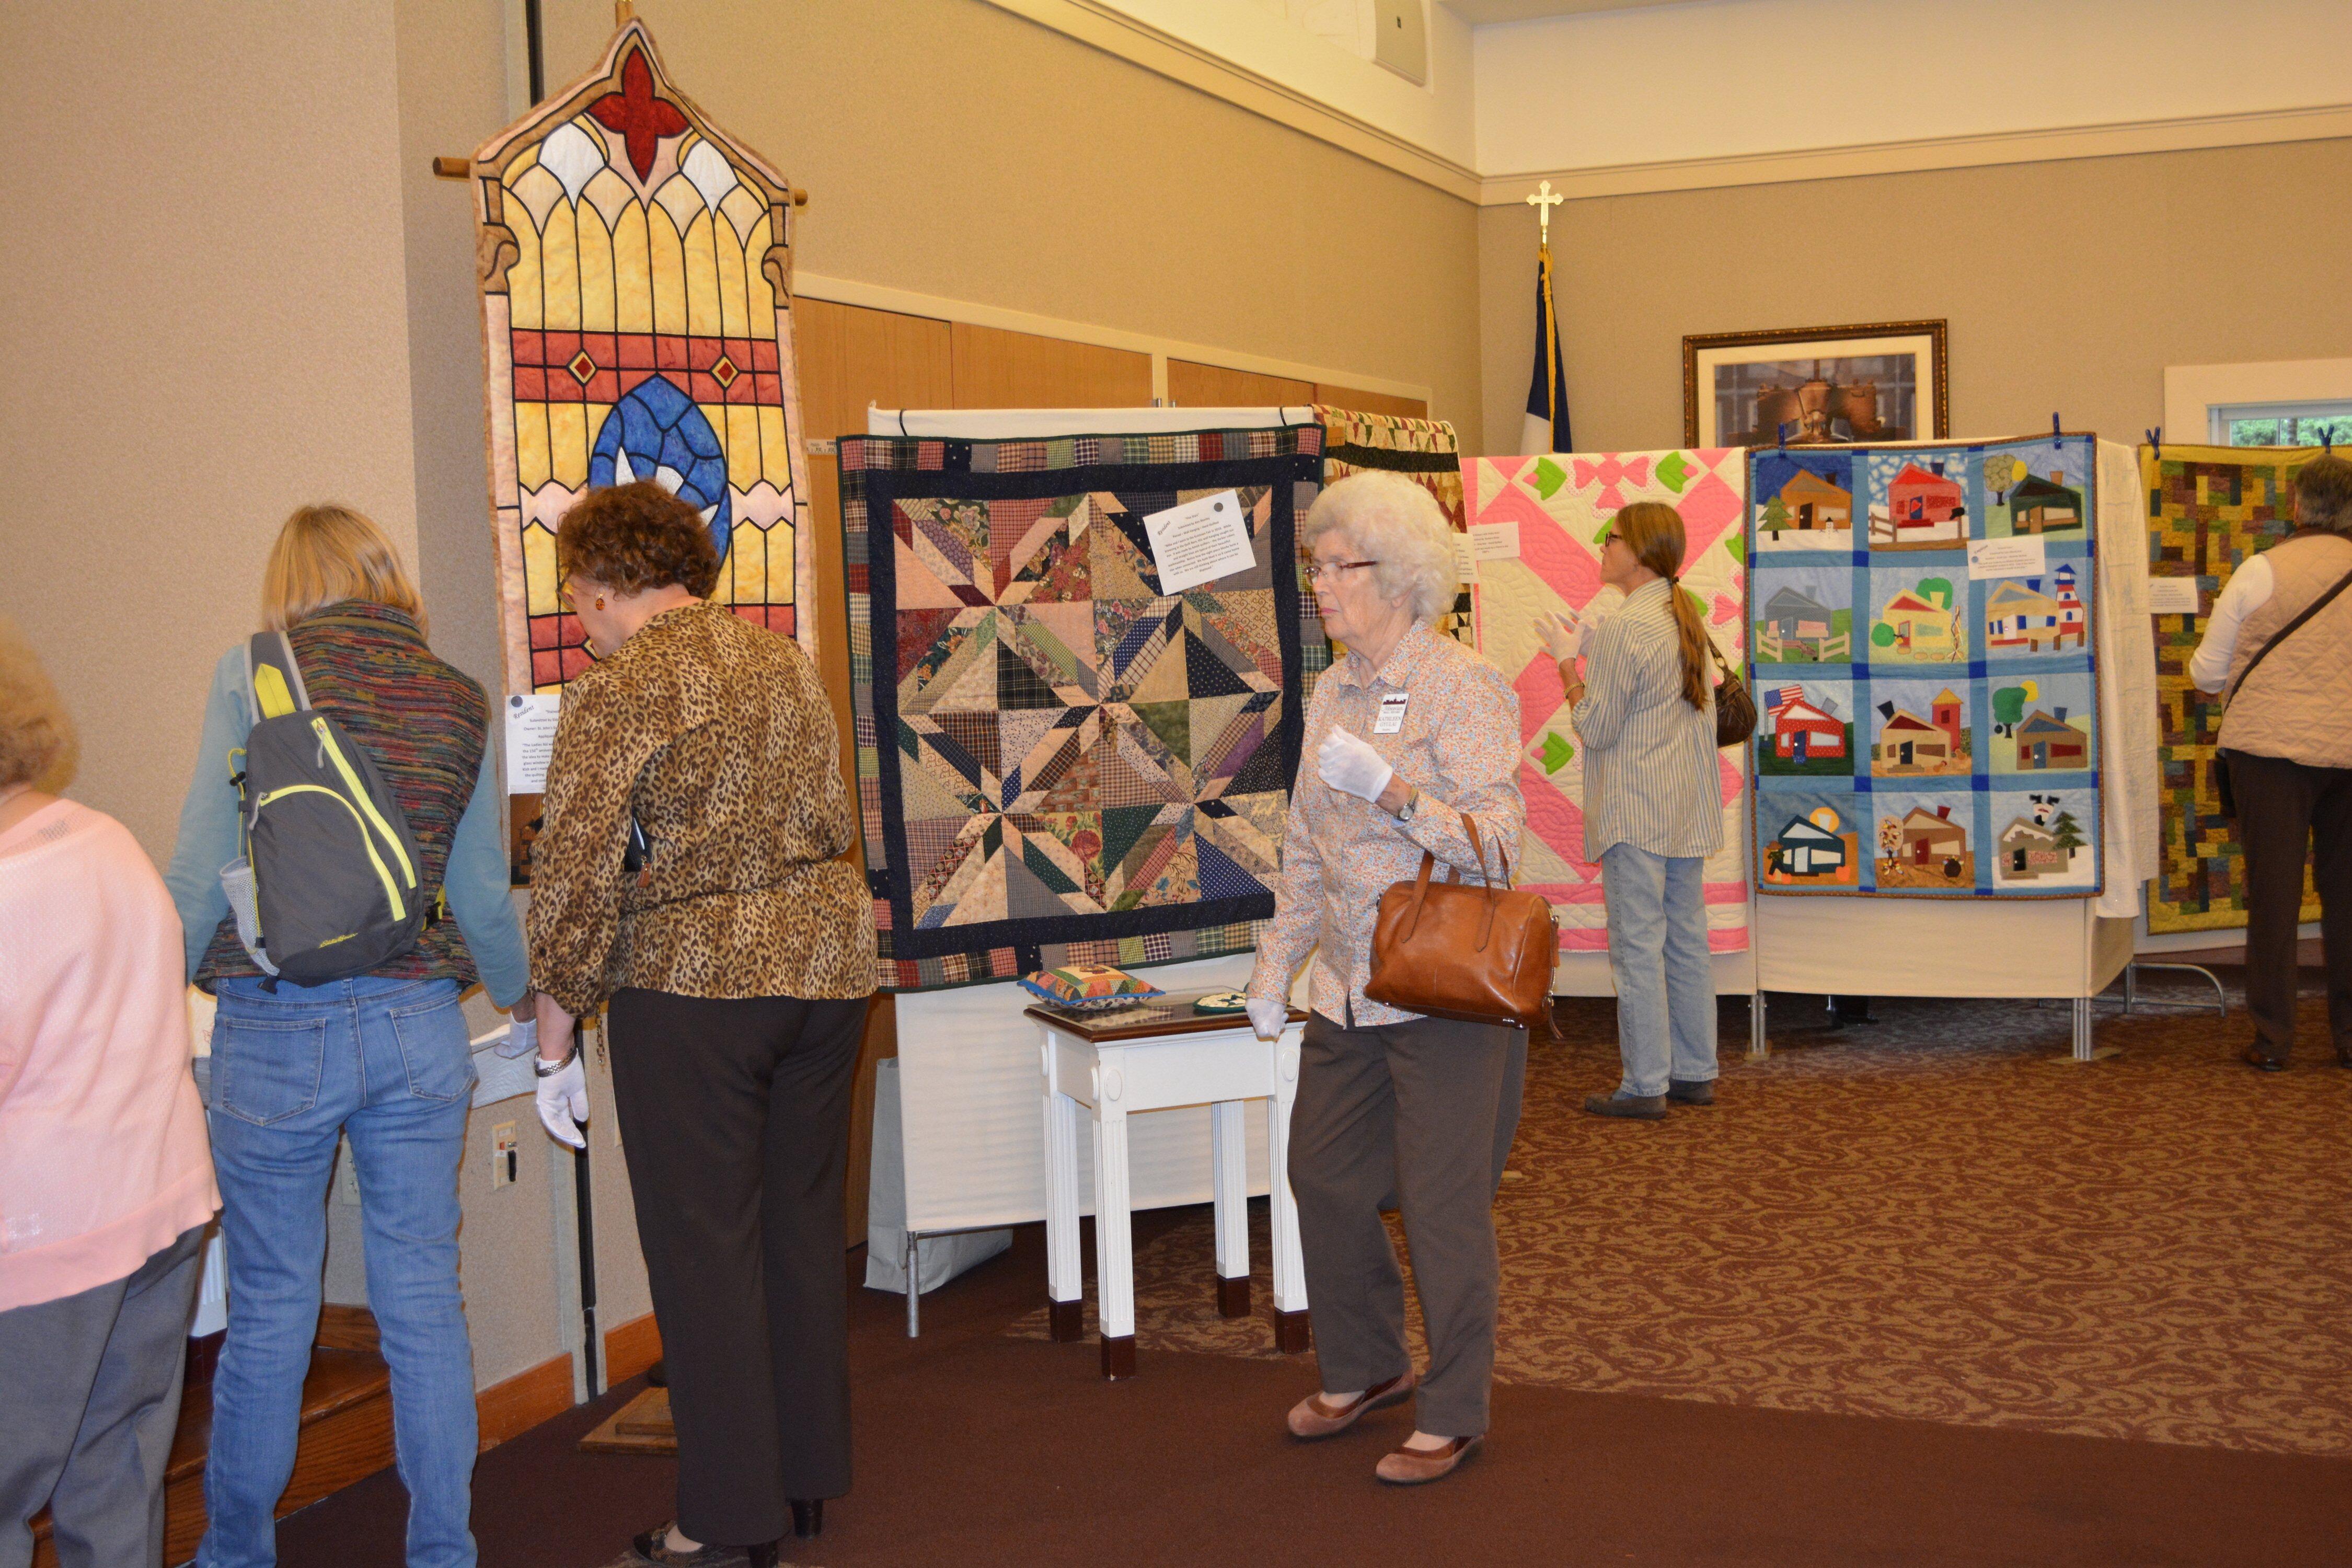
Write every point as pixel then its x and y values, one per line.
pixel 1409 733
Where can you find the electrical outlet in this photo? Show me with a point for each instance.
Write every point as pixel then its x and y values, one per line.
pixel 506 1155
pixel 347 1176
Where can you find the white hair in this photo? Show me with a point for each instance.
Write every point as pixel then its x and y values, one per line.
pixel 1388 518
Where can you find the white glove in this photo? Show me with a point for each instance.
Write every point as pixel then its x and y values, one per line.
pixel 563 1100
pixel 1563 634
pixel 1268 1015
pixel 1350 765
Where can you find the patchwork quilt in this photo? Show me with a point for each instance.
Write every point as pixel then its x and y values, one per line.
pixel 1425 451
pixel 1059 763
pixel 2209 510
pixel 1928 711
pixel 1559 507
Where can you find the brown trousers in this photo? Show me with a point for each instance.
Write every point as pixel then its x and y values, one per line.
pixel 735 1121
pixel 2287 811
pixel 1422 1113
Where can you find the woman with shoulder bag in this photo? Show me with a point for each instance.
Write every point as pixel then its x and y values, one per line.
pixel 1413 737
pixel 383 1055
pixel 1652 808
pixel 2279 642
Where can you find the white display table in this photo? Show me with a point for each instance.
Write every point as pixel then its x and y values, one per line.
pixel 1155 1057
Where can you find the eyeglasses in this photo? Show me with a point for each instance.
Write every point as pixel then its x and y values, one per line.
pixel 1317 570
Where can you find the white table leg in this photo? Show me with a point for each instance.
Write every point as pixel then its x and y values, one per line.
pixel 1065 1283
pixel 1290 1323
pixel 1114 1238
pixel 1229 1164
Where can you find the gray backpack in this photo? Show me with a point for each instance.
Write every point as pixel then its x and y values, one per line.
pixel 327 888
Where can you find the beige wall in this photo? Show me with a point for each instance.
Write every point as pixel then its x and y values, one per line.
pixel 204 326
pixel 2069 286
pixel 952 148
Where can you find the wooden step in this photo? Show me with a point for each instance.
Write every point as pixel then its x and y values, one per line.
pixel 641 1427
pixel 346 1437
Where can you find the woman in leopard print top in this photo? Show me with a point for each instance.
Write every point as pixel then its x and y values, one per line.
pixel 689 877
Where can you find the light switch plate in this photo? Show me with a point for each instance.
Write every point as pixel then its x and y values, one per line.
pixel 1401 38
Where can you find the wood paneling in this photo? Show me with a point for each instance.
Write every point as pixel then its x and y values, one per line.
pixel 997 369
pixel 881 1041
pixel 1370 402
pixel 630 1349
pixel 849 356
pixel 511 1407
pixel 346 1328
pixel 1195 386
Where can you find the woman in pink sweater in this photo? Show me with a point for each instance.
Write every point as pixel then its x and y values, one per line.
pixel 106 1180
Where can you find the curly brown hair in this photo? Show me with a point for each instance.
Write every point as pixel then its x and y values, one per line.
pixel 638 536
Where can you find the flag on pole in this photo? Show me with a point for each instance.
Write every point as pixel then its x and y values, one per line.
pixel 1545 428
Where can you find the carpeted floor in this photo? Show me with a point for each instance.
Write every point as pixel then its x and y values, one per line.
pixel 1927 1218
pixel 2155 1238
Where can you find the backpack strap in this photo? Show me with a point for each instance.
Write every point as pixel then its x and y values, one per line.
pixel 274 676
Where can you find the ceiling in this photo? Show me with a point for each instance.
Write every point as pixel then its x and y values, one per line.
pixel 1478 13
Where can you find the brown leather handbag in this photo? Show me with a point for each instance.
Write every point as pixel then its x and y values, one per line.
pixel 1734 709
pixel 1482 954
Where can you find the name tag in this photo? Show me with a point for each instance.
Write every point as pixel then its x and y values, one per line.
pixel 1392 719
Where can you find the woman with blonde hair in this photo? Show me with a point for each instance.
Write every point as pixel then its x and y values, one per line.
pixel 381 1055
pixel 1653 807
pixel 105 1188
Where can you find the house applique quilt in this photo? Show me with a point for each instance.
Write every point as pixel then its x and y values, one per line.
pixel 1922 731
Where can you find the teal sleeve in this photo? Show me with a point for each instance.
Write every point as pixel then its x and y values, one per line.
pixel 476 882
pixel 209 834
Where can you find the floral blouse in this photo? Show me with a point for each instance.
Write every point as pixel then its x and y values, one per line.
pixel 1458 744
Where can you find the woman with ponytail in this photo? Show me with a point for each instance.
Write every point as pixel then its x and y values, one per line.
pixel 1653 810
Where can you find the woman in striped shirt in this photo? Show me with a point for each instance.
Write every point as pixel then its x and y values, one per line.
pixel 1653 810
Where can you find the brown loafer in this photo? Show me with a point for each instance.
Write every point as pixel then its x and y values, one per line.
pixel 1418 1467
pixel 1311 1417
pixel 2256 1058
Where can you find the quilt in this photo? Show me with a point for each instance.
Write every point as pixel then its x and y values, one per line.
pixel 1425 451
pixel 1925 669
pixel 1059 763
pixel 634 266
pixel 1553 513
pixel 2209 510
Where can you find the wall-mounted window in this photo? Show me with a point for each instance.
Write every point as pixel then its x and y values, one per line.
pixel 2325 423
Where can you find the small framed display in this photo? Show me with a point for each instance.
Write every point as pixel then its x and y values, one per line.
pixel 1883 381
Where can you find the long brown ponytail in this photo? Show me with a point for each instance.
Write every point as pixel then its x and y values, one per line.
pixel 1653 531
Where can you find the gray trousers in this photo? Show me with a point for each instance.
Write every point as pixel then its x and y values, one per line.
pixel 90 1386
pixel 1422 1112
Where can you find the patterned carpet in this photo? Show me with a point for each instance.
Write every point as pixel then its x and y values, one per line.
pixel 1928 1217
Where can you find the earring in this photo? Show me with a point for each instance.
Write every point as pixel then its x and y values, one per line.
pixel 600 601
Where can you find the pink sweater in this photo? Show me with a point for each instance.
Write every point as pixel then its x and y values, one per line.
pixel 103 1158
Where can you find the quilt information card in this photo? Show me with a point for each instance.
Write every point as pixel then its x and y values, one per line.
pixel 1063 757
pixel 1921 651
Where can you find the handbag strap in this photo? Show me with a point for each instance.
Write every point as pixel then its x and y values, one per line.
pixel 2280 635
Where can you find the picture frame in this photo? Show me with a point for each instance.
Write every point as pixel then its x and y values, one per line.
pixel 1876 382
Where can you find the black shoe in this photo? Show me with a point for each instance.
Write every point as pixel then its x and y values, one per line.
pixel 808 1517
pixel 1691 1091
pixel 2255 1057
pixel 652 1548
pixel 1637 1107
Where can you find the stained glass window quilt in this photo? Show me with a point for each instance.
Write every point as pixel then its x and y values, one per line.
pixel 1057 763
pixel 635 280
pixel 2211 510
pixel 1561 505
pixel 1928 721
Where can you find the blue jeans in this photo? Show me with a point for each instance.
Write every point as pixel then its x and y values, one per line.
pixel 1658 956
pixel 386 1061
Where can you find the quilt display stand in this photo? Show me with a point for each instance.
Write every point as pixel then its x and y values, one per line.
pixel 1945 779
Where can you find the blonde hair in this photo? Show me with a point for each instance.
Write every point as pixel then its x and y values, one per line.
pixel 1400 525
pixel 1653 531
pixel 37 745
pixel 326 554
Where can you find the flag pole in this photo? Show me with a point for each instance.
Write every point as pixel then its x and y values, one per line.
pixel 1547 314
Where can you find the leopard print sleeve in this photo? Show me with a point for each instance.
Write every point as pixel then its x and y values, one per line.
pixel 575 882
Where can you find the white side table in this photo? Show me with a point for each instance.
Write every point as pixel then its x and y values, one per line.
pixel 1154 1057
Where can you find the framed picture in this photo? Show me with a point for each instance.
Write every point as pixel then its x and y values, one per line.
pixel 1815 385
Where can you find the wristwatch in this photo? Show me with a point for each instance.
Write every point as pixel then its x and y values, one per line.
pixel 1411 804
